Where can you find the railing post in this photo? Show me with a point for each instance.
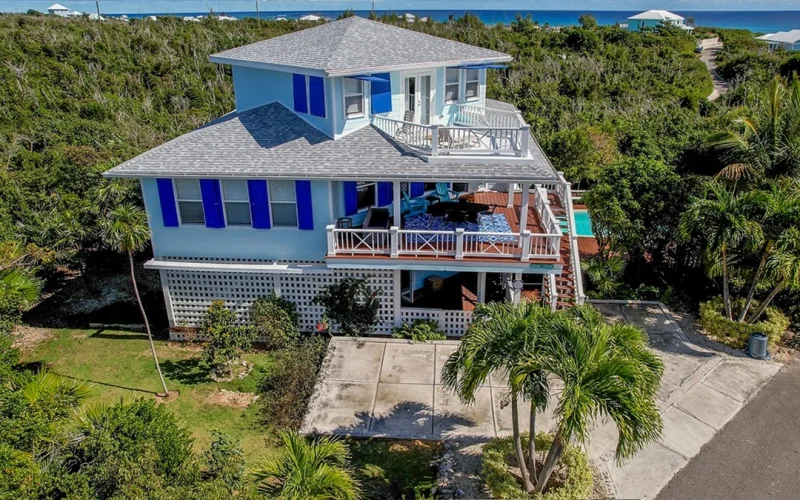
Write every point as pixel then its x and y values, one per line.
pixel 394 241
pixel 525 130
pixel 331 239
pixel 553 292
pixel 434 140
pixel 460 243
pixel 526 245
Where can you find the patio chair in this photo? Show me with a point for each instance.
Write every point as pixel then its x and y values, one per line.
pixel 444 193
pixel 447 140
pixel 415 206
pixel 377 218
pixel 405 128
pixel 344 223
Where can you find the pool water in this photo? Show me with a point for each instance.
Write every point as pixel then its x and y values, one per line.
pixel 583 223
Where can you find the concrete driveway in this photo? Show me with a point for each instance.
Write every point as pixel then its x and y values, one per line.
pixel 391 388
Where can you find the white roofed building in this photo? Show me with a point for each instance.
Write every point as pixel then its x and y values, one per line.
pixel 788 40
pixel 311 18
pixel 655 18
pixel 58 10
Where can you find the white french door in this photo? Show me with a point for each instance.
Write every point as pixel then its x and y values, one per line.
pixel 418 90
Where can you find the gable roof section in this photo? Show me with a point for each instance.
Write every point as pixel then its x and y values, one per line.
pixel 655 15
pixel 272 142
pixel 354 45
pixel 790 37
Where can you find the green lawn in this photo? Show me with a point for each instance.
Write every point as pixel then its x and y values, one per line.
pixel 120 366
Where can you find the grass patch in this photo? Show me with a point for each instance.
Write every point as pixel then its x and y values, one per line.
pixel 395 468
pixel 120 366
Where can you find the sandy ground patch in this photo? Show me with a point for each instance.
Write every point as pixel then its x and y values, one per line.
pixel 233 399
pixel 26 338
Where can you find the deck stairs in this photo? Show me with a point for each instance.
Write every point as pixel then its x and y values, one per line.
pixel 564 290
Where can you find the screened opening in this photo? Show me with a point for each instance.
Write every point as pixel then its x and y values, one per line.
pixel 353 97
pixel 190 201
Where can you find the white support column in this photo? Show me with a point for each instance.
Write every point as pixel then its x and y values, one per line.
pixel 523 211
pixel 460 243
pixel 397 199
pixel 412 275
pixel 510 202
pixel 481 288
pixel 331 239
pixel 394 242
pixel 397 286
pixel 167 300
pixel 517 294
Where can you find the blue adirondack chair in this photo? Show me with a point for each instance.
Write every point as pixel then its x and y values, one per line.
pixel 415 206
pixel 444 193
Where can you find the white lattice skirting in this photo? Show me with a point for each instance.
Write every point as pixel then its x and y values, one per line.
pixel 190 293
pixel 452 323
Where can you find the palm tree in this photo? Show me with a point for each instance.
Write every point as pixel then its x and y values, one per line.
pixel 784 266
pixel 768 144
pixel 19 287
pixel 307 469
pixel 502 337
pixel 723 218
pixel 125 230
pixel 607 371
pixel 604 274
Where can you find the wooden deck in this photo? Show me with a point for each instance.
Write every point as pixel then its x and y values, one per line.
pixel 512 214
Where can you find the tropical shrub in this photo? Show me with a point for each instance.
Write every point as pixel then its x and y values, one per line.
pixel 224 340
pixel 307 468
pixel 275 321
pixel 351 305
pixel 737 333
pixel 225 461
pixel 420 330
pixel 289 384
pixel 572 479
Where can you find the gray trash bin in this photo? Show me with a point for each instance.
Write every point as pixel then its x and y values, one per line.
pixel 757 346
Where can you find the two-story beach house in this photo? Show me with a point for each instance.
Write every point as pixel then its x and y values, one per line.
pixel 359 149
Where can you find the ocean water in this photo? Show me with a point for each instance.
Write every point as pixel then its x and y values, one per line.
pixel 761 21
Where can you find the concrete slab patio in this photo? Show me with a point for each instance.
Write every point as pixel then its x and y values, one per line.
pixel 392 388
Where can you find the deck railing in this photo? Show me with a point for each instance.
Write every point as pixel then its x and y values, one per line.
pixel 477 116
pixel 477 140
pixel 458 244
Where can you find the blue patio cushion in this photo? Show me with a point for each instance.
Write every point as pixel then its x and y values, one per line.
pixel 166 196
pixel 316 89
pixel 212 203
pixel 299 91
pixel 381 94
pixel 259 203
pixel 305 210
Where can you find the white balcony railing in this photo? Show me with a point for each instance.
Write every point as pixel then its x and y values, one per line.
pixel 395 243
pixel 472 140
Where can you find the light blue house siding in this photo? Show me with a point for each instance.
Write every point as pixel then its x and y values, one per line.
pixel 256 87
pixel 240 242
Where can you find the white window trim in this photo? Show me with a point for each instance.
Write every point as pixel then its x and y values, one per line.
pixel 364 113
pixel 225 208
pixel 178 204
pixel 457 84
pixel 271 212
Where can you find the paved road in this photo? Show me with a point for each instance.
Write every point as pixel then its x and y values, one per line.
pixel 757 455
pixel 709 57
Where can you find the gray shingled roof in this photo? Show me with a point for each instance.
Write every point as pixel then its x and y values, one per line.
pixel 355 45
pixel 272 142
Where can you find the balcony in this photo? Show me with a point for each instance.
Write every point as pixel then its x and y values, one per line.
pixel 532 237
pixel 476 131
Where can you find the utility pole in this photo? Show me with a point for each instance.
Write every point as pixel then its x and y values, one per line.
pixel 97 6
pixel 258 15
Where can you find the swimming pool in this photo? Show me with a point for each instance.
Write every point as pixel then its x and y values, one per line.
pixel 583 223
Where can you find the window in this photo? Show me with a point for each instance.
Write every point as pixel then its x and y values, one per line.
pixel 366 192
pixel 471 84
pixel 283 203
pixel 451 85
pixel 190 201
pixel 309 94
pixel 353 97
pixel 237 202
pixel 460 187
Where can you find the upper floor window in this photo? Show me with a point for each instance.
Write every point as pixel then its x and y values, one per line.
pixel 190 201
pixel 283 203
pixel 353 97
pixel 367 194
pixel 452 83
pixel 237 202
pixel 471 84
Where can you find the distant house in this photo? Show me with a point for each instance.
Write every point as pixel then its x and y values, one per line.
pixel 410 18
pixel 654 18
pixel 58 10
pixel 788 40
pixel 311 18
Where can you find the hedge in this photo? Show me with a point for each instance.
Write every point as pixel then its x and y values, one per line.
pixel 735 333
pixel 499 458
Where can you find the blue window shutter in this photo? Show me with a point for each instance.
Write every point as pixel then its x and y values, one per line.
pixel 166 195
pixel 212 203
pixel 316 89
pixel 259 203
pixel 381 94
pixel 299 88
pixel 350 197
pixel 384 193
pixel 305 210
pixel 417 189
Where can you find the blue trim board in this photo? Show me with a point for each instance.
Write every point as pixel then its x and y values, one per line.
pixel 305 211
pixel 212 203
pixel 259 203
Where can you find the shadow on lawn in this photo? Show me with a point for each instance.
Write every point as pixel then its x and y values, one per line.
pixel 190 371
pixel 105 384
pixel 115 335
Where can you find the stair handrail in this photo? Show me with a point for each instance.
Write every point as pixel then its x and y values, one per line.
pixel 573 239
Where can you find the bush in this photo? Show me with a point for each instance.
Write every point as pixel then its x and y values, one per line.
pixel 351 305
pixel 572 477
pixel 421 330
pixel 224 341
pixel 225 461
pixel 735 333
pixel 288 386
pixel 275 320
